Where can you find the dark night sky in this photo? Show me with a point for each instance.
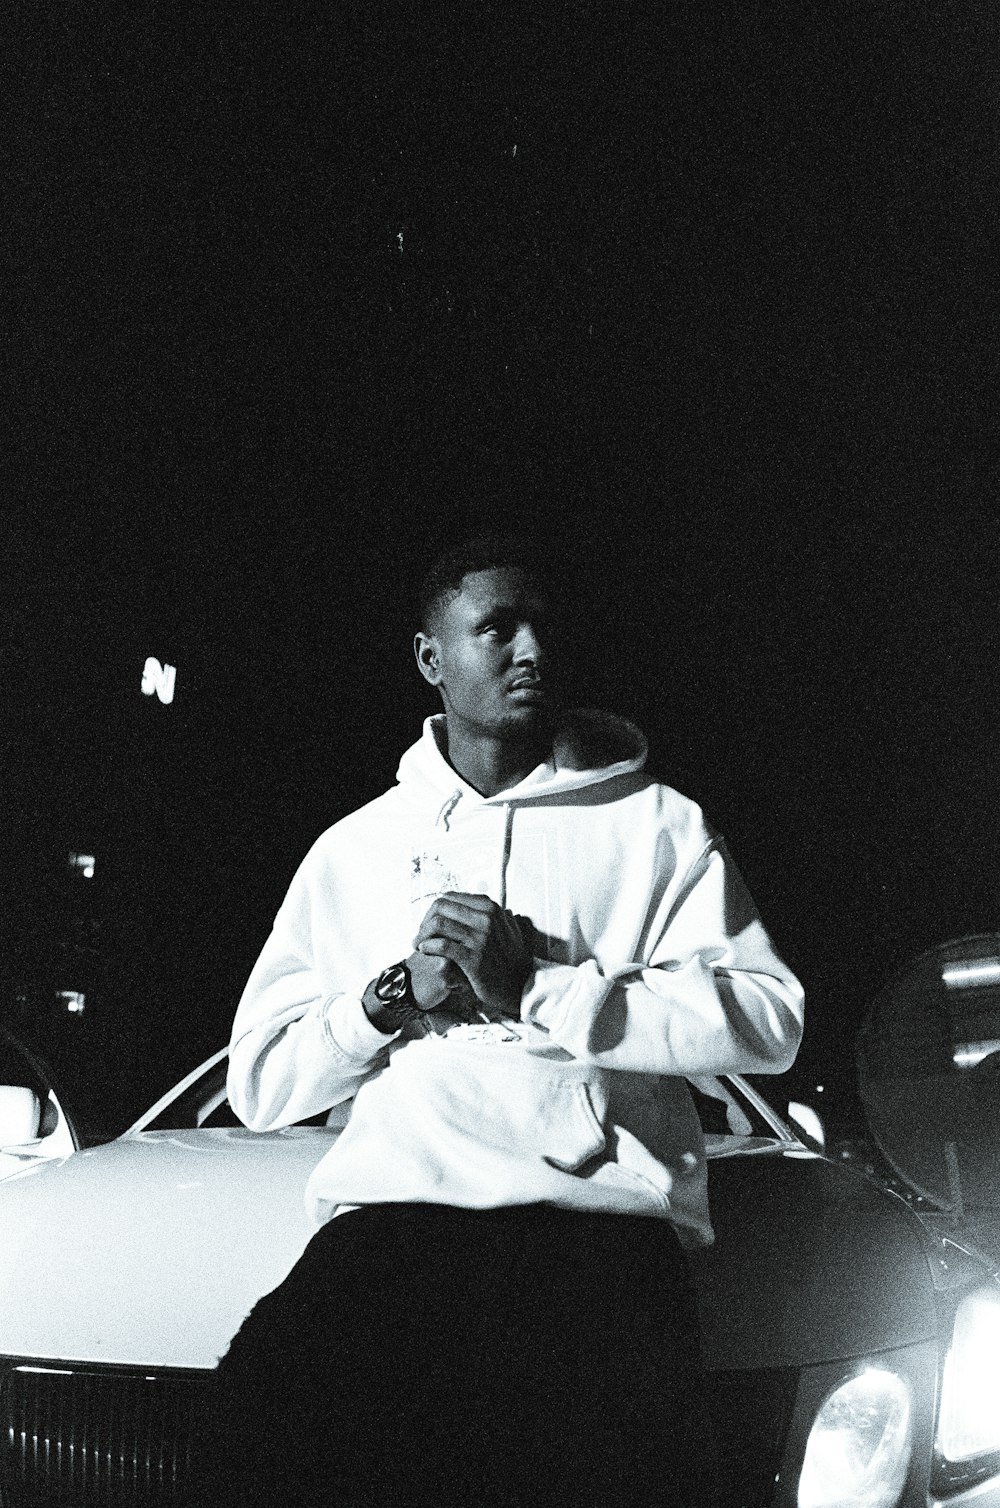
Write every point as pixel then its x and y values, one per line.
pixel 706 296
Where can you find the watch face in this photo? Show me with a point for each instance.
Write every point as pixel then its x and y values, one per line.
pixel 392 983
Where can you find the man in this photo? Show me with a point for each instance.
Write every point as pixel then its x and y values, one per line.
pixel 495 977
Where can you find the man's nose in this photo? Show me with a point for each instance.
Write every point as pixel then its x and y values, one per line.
pixel 527 647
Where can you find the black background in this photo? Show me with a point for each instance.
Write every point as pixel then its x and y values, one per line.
pixel 705 297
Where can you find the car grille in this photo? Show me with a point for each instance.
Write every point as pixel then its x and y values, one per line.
pixel 94 1438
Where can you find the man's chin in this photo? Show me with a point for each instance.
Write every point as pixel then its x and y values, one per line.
pixel 535 719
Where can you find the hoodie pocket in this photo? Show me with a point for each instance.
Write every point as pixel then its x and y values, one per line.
pixel 468 1106
pixel 584 1135
pixel 457 1126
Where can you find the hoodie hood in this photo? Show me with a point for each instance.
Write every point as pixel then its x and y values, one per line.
pixel 589 748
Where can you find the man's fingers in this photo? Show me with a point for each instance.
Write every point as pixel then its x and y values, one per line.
pixel 444 917
pixel 473 908
pixel 447 926
pixel 467 898
pixel 444 947
pixel 457 905
pixel 526 927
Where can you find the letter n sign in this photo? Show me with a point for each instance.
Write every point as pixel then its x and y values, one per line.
pixel 158 678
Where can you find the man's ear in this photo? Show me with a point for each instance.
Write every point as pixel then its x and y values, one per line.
pixel 427 651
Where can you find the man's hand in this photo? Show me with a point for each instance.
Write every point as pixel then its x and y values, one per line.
pixel 490 946
pixel 432 980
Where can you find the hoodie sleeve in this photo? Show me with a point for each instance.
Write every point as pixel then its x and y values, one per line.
pixel 299 1045
pixel 710 996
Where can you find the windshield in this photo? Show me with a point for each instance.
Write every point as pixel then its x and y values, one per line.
pixel 726 1107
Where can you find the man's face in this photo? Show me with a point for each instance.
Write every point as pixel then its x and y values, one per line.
pixel 489 656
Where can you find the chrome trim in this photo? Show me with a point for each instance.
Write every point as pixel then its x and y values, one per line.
pixel 94 1437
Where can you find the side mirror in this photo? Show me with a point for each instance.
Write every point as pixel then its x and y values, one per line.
pixel 927 1056
pixel 809 1121
pixel 20 1115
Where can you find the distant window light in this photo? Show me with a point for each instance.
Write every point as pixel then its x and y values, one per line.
pixel 83 863
pixel 968 1054
pixel 159 679
pixel 965 976
pixel 73 1001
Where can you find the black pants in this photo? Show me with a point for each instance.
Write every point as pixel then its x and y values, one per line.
pixel 420 1354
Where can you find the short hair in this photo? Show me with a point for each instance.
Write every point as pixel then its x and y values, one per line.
pixel 482 552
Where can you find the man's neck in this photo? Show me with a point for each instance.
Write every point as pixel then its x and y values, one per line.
pixel 492 765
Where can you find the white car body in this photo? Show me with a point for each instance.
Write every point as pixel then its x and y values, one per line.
pixel 131 1265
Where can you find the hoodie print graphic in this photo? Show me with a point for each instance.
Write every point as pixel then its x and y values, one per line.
pixel 430 876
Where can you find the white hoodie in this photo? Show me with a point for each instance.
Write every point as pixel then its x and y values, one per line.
pixel 651 964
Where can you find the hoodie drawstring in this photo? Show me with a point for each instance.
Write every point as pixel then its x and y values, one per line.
pixel 444 815
pixel 508 830
pixel 443 819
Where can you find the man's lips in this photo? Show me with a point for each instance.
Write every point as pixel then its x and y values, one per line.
pixel 527 685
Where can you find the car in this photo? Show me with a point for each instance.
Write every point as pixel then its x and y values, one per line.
pixel 853 1349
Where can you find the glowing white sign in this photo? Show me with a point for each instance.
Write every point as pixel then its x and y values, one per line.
pixel 158 678
pixel 968 1054
pixel 966 976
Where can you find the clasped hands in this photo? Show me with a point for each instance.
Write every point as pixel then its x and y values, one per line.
pixel 469 942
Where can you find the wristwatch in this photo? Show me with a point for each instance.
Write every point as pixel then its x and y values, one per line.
pixel 393 987
pixel 393 991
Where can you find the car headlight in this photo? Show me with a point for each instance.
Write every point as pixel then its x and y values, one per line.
pixel 969 1417
pixel 858 1451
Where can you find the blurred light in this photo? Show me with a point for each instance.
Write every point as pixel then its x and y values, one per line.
pixel 969 1417
pixel 73 1001
pixel 806 1118
pixel 83 863
pixel 964 976
pixel 158 678
pixel 968 1054
pixel 858 1451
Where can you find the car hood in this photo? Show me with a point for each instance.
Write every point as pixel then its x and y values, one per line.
pixel 151 1251
pixel 153 1248
pixel 811 1262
